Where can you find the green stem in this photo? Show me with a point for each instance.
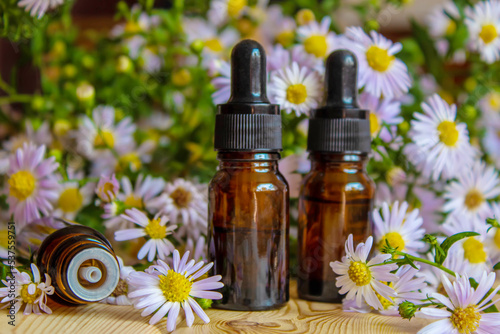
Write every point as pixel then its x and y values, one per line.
pixel 15 98
pixel 431 263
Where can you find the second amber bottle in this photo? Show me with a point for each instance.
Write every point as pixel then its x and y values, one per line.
pixel 336 196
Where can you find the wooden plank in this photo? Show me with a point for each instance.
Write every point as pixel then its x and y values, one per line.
pixel 298 316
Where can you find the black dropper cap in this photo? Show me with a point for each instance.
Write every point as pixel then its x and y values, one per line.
pixel 340 126
pixel 248 121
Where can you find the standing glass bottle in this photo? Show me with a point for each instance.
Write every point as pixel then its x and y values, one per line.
pixel 336 196
pixel 248 196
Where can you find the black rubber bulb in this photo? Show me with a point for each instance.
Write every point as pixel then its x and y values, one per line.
pixel 248 73
pixel 341 80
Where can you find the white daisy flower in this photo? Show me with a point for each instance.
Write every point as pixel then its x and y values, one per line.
pixel 463 306
pixel 316 38
pixel 406 287
pixel 40 136
pixel 483 22
pixel 198 249
pixel 28 291
pixel 107 188
pixel 72 197
pixel 151 59
pixel 402 229
pixel 380 72
pixel 491 141
pixel 39 7
pixel 156 230
pixel 382 111
pixel 217 44
pixel 136 196
pixel 277 27
pixel 120 295
pixel 32 185
pixel 222 83
pixel 185 203
pixel 223 10
pixel 490 105
pixel 473 251
pixel 131 157
pixel 363 280
pixel 296 88
pixel 468 195
pixel 493 239
pixel 439 22
pixel 441 144
pixel 164 290
pixel 102 133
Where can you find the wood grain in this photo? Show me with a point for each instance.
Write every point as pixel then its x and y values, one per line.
pixel 299 316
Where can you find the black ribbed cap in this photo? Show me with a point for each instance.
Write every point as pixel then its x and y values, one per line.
pixel 340 126
pixel 248 121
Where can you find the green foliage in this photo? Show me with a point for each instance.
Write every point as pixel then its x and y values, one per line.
pixel 442 250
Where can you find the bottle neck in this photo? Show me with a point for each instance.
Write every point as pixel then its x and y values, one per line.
pixel 344 161
pixel 253 159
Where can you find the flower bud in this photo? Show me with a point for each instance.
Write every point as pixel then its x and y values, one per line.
pixel 407 310
pixel 304 16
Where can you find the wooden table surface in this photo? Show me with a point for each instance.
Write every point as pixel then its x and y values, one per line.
pixel 299 316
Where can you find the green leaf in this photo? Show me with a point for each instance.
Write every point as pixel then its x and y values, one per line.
pixel 432 58
pixel 496 266
pixel 448 242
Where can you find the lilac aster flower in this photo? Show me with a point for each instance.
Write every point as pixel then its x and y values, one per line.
pixel 165 290
pixel 463 307
pixel 156 229
pixel 32 186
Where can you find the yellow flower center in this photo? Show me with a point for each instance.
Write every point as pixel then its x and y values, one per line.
pixel 61 127
pixel 132 27
pixel 22 184
pixel 451 28
pixel 395 240
pixel 378 58
pixel 175 286
pixel 473 199
pixel 304 16
pixel 155 230
pixel 27 297
pixel 70 200
pixel 285 38
pixel 234 7
pixel 181 77
pixel 359 273
pixel 374 124
pixel 104 139
pixel 181 197
pixel 131 160
pixel 316 45
pixel 496 238
pixel 4 238
pixel 488 33
pixel 448 133
pixel 214 45
pixel 105 189
pixel 466 320
pixel 133 201
pixel 296 94
pixel 494 101
pixel 474 251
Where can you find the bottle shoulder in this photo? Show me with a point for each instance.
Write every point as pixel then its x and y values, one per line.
pixel 248 180
pixel 335 182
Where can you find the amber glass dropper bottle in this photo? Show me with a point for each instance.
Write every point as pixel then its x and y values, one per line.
pixel 248 196
pixel 336 196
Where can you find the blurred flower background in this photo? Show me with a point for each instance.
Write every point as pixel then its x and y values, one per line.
pixel 109 121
